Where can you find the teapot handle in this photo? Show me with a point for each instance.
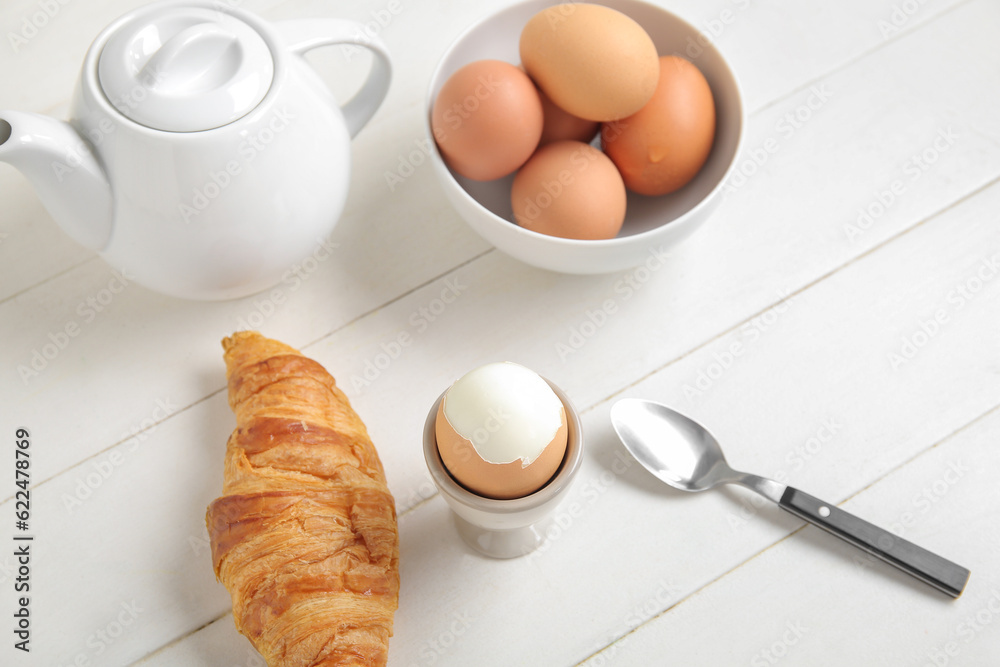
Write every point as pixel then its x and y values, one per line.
pixel 302 35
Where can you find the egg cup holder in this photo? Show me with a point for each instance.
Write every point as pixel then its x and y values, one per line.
pixel 506 528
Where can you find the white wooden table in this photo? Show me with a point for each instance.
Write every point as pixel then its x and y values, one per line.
pixel 853 269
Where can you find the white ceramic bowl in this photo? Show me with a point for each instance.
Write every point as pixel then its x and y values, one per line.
pixel 652 224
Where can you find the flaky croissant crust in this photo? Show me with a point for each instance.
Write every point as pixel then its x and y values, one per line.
pixel 304 536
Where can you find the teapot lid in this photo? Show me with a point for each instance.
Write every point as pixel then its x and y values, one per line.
pixel 185 68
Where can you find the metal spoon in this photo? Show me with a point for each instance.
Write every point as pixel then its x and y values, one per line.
pixel 686 456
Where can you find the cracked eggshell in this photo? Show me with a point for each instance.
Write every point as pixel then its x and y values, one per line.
pixel 501 480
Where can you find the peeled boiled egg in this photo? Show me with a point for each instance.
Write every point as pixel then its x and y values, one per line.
pixel 593 61
pixel 487 119
pixel 661 147
pixel 501 431
pixel 569 189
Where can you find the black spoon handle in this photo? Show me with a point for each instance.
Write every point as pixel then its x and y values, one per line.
pixel 939 572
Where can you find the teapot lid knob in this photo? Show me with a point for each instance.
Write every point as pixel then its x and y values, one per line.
pixel 185 68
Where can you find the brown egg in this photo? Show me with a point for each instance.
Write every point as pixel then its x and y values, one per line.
pixel 501 431
pixel 660 148
pixel 561 125
pixel 487 119
pixel 593 61
pixel 569 189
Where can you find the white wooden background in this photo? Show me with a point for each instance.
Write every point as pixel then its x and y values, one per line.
pixel 846 100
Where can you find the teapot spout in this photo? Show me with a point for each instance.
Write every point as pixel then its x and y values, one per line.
pixel 62 167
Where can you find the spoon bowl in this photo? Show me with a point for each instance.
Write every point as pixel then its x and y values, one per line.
pixel 696 461
pixel 682 453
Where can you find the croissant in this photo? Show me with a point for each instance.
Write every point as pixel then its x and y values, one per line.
pixel 304 536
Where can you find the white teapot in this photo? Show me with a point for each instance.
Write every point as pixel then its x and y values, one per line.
pixel 203 155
